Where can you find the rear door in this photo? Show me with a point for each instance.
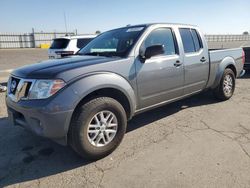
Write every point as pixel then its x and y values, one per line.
pixel 161 77
pixel 196 61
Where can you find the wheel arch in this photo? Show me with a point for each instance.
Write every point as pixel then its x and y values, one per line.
pixel 101 85
pixel 227 62
pixel 108 92
pixel 233 68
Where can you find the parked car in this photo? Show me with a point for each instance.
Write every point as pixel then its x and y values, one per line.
pixel 86 100
pixel 247 58
pixel 68 45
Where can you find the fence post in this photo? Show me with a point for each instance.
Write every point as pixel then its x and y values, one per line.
pixel 33 38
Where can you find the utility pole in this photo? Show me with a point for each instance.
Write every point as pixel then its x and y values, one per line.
pixel 65 23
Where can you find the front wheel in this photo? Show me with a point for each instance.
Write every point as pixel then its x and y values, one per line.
pixel 98 128
pixel 225 89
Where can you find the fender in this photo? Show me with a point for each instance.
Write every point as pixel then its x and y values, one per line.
pixel 101 80
pixel 227 61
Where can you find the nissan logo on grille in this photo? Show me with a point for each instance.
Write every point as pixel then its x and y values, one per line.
pixel 13 86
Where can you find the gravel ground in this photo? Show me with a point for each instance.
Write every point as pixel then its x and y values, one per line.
pixel 196 142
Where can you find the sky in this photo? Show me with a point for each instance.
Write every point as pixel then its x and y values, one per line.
pixel 212 16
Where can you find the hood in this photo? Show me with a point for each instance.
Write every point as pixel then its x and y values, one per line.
pixel 50 68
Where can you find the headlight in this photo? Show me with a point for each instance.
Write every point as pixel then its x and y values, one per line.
pixel 43 89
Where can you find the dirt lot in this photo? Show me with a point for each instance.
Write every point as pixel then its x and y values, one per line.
pixel 196 142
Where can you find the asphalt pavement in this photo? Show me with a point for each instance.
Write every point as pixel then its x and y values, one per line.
pixel 196 142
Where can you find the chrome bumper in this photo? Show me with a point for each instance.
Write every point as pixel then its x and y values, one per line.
pixel 242 73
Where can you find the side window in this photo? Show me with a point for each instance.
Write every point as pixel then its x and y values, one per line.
pixel 161 36
pixel 191 40
pixel 187 40
pixel 197 40
pixel 83 42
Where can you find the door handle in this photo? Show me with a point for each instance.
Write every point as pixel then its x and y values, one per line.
pixel 177 63
pixel 203 59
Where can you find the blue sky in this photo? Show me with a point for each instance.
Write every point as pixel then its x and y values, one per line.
pixel 213 16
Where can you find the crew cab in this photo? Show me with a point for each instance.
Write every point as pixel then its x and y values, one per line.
pixel 68 45
pixel 86 100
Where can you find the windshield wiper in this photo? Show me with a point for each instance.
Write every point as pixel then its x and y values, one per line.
pixel 106 54
pixel 90 53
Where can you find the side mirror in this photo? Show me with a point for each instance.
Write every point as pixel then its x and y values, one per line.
pixel 152 51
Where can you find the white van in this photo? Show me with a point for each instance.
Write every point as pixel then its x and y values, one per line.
pixel 68 45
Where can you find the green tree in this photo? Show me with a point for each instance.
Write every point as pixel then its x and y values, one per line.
pixel 98 32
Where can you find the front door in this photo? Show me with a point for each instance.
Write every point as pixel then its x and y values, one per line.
pixel 161 77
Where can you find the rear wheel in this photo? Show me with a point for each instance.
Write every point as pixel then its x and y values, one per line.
pixel 98 128
pixel 225 89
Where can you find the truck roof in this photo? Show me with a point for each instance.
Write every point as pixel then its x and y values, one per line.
pixel 138 25
pixel 162 23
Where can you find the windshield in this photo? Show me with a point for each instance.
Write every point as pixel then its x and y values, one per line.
pixel 116 42
pixel 59 43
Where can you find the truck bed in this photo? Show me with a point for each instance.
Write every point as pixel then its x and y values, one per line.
pixel 218 56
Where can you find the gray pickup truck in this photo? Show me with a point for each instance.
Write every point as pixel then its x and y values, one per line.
pixel 86 100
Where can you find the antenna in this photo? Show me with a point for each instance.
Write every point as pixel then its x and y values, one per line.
pixel 65 22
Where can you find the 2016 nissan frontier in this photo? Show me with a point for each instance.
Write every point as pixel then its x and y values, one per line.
pixel 86 100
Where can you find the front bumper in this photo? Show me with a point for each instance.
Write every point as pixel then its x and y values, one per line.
pixel 40 118
pixel 242 73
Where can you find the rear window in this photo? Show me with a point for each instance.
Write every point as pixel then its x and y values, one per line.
pixel 83 42
pixel 59 43
pixel 191 40
pixel 187 40
pixel 197 40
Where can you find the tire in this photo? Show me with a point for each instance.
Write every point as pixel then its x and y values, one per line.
pixel 221 92
pixel 88 119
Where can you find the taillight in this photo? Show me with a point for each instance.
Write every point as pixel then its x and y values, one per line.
pixel 243 57
pixel 64 53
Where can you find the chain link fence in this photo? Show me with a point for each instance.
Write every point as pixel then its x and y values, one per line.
pixel 28 40
pixel 227 38
pixel 227 41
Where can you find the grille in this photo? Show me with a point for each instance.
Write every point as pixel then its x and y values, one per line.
pixel 18 88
